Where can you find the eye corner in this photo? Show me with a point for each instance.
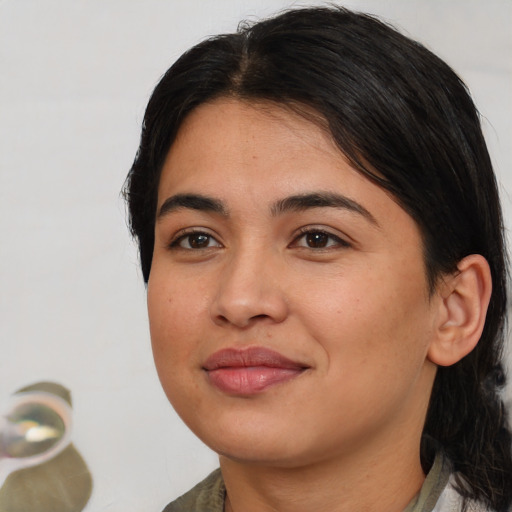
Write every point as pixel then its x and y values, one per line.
pixel 194 239
pixel 319 239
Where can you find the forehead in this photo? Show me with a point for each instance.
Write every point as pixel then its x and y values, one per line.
pixel 231 137
pixel 228 120
pixel 251 157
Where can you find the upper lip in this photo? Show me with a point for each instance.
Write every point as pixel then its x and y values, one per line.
pixel 250 356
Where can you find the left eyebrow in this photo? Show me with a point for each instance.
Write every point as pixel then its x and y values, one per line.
pixel 320 200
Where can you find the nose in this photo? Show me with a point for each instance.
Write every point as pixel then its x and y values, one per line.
pixel 249 291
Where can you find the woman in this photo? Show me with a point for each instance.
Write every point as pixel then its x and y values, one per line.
pixel 320 231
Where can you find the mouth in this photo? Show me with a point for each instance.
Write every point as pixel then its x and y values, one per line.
pixel 250 371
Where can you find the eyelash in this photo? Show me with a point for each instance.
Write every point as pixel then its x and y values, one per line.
pixel 332 241
pixel 188 234
pixel 304 232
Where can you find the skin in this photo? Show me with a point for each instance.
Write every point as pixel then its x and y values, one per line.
pixel 344 434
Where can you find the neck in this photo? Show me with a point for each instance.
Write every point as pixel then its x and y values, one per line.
pixel 368 482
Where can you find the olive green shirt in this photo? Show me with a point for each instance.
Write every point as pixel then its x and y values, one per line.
pixel 436 494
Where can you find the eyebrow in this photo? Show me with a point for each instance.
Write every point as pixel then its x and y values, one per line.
pixel 192 202
pixel 303 202
pixel 296 203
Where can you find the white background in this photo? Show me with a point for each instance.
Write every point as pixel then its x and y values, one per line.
pixel 75 76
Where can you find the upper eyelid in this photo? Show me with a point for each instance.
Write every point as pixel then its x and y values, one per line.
pixel 182 233
pixel 297 234
pixel 323 229
pixel 334 243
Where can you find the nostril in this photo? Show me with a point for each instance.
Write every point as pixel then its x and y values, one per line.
pixel 256 317
pixel 240 320
pixel 241 301
pixel 221 319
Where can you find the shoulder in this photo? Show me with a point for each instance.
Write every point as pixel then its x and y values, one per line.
pixel 439 491
pixel 206 496
pixel 451 501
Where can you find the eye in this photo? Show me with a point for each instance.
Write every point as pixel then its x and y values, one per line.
pixel 194 240
pixel 318 239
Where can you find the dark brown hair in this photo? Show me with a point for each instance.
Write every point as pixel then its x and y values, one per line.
pixel 406 121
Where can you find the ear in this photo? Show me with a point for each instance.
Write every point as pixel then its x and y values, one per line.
pixel 464 298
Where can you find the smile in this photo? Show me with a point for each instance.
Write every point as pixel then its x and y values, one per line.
pixel 250 371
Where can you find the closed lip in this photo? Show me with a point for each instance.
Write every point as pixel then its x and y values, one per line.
pixel 250 371
pixel 250 357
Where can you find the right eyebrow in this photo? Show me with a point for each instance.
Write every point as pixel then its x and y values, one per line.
pixel 191 202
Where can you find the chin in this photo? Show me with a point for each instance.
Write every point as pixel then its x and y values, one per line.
pixel 262 457
pixel 274 444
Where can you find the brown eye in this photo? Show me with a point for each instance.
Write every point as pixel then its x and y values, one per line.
pixel 195 241
pixel 317 240
pixel 198 241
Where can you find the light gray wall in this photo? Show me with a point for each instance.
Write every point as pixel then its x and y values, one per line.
pixel 74 79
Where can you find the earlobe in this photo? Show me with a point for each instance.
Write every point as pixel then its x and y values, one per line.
pixel 464 298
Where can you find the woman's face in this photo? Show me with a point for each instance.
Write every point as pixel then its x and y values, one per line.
pixel 289 309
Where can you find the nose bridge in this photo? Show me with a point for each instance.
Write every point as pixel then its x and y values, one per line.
pixel 249 288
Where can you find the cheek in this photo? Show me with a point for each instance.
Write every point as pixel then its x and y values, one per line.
pixel 375 346
pixel 171 310
pixel 378 319
pixel 173 328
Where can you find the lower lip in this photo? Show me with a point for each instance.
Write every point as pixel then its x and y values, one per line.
pixel 250 380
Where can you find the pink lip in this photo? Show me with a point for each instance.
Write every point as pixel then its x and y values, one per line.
pixel 249 371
